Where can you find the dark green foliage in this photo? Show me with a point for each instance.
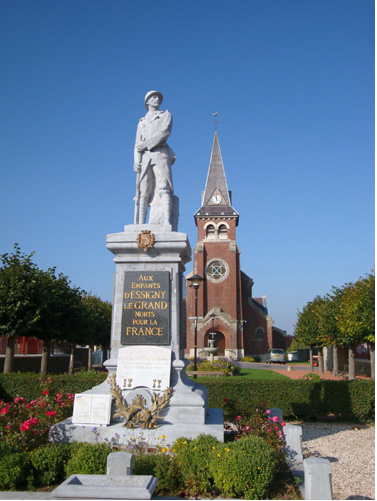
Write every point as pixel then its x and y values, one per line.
pixel 49 463
pixel 193 458
pixel 162 467
pixel 246 468
pixel 30 385
pixel 15 471
pixel 307 400
pixel 88 459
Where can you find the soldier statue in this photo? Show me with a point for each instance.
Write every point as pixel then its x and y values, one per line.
pixel 153 159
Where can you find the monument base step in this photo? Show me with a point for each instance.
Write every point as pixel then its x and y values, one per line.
pixel 116 434
pixel 105 487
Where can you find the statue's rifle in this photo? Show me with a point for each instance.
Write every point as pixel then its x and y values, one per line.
pixel 137 198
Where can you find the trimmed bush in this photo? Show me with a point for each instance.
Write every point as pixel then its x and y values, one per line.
pixel 15 472
pixel 162 467
pixel 88 459
pixel 246 468
pixel 193 458
pixel 299 399
pixel 49 463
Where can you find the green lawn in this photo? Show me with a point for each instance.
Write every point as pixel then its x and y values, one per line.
pixel 259 374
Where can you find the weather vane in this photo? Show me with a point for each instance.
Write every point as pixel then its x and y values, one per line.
pixel 215 121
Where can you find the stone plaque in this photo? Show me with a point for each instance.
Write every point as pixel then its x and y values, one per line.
pixel 144 366
pixel 146 308
pixel 91 409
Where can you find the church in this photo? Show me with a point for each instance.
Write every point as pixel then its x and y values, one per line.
pixel 223 306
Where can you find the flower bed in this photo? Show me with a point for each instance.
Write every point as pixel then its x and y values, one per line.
pixel 229 366
pixel 249 467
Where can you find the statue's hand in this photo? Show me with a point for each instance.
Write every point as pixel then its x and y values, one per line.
pixel 137 168
pixel 140 147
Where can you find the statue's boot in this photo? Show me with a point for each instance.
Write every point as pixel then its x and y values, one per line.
pixel 143 209
pixel 166 207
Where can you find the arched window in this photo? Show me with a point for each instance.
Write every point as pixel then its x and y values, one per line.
pixel 223 231
pixel 210 231
pixel 260 333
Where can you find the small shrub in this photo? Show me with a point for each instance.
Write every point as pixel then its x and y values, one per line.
pixel 25 425
pixel 49 463
pixel 248 359
pixel 15 472
pixel 312 377
pixel 260 424
pixel 88 459
pixel 193 458
pixel 229 366
pixel 162 467
pixel 246 468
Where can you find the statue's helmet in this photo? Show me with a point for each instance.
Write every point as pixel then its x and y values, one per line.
pixel 149 94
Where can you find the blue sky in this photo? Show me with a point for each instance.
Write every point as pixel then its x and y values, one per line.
pixel 292 82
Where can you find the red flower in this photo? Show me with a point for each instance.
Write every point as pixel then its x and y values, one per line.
pixel 50 413
pixel 58 397
pixel 4 411
pixel 18 400
pixel 237 418
pixel 25 426
pixel 71 396
pixel 45 392
pixel 225 400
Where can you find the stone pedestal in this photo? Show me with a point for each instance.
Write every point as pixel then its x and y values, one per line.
pixel 147 319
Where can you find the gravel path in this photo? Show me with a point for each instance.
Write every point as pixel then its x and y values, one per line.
pixel 351 453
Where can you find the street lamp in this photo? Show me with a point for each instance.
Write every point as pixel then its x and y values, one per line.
pixel 195 282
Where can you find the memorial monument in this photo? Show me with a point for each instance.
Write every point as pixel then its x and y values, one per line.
pixel 150 392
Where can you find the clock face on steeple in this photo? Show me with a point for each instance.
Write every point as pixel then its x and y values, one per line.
pixel 216 199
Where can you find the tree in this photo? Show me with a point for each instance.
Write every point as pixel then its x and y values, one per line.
pixel 296 345
pixel 327 314
pixel 97 322
pixel 60 313
pixel 357 318
pixel 307 327
pixel 19 309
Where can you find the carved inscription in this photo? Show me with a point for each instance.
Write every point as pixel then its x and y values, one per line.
pixel 145 318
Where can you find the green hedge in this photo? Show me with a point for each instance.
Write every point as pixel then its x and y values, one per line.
pixel 299 399
pixel 30 385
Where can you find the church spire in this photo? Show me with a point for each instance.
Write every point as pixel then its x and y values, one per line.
pixel 216 190
pixel 216 198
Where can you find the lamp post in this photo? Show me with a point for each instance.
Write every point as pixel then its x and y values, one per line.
pixel 212 316
pixel 195 282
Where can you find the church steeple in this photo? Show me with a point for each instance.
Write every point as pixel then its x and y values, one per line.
pixel 216 199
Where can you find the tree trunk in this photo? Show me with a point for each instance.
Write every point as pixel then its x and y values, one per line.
pixel 351 363
pixel 90 349
pixel 71 359
pixel 9 354
pixel 320 361
pixel 45 356
pixel 335 369
pixel 311 358
pixel 372 360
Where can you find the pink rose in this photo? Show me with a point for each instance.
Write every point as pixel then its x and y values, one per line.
pixel 268 411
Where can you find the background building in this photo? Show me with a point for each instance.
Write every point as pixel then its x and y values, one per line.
pixel 225 304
